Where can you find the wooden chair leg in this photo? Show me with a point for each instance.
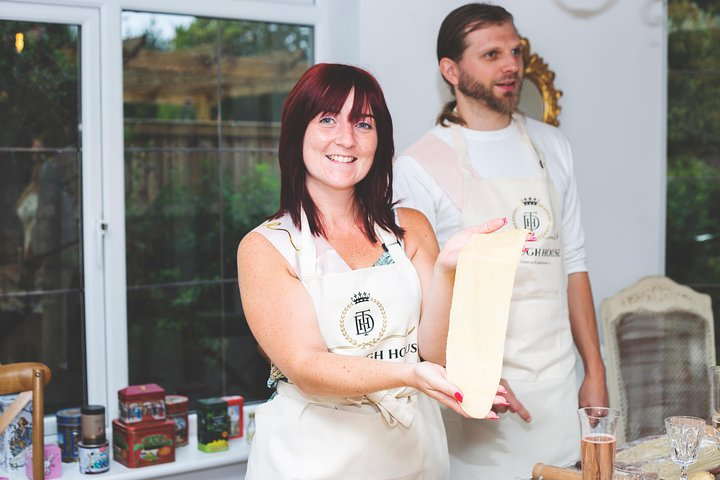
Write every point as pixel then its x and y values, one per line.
pixel 38 425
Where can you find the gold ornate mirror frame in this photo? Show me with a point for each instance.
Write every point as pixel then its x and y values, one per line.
pixel 537 71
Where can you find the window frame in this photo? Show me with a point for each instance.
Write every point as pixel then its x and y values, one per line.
pixel 103 187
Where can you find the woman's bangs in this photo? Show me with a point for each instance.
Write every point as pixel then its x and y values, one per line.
pixel 362 105
pixel 332 99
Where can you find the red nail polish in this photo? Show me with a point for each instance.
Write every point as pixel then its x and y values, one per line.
pixel 504 220
pixel 458 397
pixel 506 404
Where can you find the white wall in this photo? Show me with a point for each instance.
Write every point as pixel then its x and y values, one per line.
pixel 609 61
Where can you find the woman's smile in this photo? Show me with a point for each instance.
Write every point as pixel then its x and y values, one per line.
pixel 341 158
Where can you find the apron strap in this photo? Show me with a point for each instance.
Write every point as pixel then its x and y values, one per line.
pixel 460 146
pixel 308 255
pixel 392 244
pixel 520 121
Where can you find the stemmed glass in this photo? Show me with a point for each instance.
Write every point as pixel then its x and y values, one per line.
pixel 684 435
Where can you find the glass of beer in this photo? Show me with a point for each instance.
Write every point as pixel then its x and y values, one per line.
pixel 715 395
pixel 684 435
pixel 597 442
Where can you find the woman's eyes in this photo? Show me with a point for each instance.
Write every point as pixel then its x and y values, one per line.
pixel 361 124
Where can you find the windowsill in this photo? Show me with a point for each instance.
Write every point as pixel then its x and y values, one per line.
pixel 187 459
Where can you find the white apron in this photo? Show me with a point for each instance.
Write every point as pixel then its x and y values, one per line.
pixel 393 434
pixel 539 358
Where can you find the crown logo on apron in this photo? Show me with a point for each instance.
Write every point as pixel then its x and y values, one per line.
pixel 363 321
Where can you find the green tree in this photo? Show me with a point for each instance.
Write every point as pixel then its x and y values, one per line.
pixel 693 148
pixel 43 77
pixel 244 37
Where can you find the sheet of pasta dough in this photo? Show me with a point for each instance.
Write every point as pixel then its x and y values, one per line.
pixel 479 315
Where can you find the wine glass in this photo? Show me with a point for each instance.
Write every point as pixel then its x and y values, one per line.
pixel 684 435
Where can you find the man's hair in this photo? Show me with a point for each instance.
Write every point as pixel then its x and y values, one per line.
pixel 323 88
pixel 451 40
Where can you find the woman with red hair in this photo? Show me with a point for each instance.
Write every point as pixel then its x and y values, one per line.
pixel 349 298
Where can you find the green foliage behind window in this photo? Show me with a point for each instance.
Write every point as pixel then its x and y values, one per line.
pixel 693 146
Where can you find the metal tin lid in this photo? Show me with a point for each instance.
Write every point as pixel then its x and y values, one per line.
pixel 92 410
pixel 176 403
pixel 212 402
pixel 68 416
pixel 234 399
pixel 141 390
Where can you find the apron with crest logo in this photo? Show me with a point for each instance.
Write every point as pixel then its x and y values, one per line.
pixel 539 359
pixel 391 434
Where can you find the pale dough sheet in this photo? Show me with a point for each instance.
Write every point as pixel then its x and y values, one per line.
pixel 479 315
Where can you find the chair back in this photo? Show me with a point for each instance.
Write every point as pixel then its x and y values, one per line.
pixel 659 341
pixel 28 380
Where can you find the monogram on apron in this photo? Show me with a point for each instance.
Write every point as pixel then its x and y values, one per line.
pixel 392 434
pixel 539 357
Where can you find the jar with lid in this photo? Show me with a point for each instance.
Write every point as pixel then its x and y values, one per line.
pixel 68 433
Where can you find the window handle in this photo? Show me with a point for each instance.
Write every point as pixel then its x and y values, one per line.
pixel 101 230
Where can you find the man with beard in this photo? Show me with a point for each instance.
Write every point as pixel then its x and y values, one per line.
pixel 482 160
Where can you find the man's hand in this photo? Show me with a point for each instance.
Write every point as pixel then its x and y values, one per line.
pixel 593 392
pixel 513 404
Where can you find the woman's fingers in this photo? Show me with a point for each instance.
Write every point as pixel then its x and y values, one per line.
pixel 490 226
pixel 450 402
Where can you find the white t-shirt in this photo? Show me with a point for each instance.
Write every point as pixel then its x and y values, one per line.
pixel 496 154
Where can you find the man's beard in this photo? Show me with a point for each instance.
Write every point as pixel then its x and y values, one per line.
pixel 475 90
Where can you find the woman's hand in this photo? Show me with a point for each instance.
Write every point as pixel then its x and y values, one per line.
pixel 431 379
pixel 447 259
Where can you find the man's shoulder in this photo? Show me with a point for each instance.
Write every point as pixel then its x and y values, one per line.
pixel 432 146
pixel 543 130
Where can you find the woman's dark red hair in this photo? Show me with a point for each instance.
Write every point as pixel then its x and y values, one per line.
pixel 323 88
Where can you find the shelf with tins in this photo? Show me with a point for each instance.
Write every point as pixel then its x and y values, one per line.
pixel 188 460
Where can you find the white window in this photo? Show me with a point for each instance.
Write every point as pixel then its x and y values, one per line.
pixel 138 145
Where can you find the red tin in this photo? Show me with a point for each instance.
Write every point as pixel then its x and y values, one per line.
pixel 143 444
pixel 142 403
pixel 177 411
pixel 235 412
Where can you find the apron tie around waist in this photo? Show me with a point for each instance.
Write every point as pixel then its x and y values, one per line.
pixel 395 407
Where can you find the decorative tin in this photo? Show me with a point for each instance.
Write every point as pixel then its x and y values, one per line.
pixel 142 403
pixel 68 433
pixel 143 444
pixel 16 438
pixel 53 467
pixel 177 411
pixel 235 412
pixel 213 425
pixel 93 459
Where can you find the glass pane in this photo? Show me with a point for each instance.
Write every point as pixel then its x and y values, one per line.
pixel 693 188
pixel 172 216
pixel 693 229
pixel 168 86
pixel 202 107
pixel 41 283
